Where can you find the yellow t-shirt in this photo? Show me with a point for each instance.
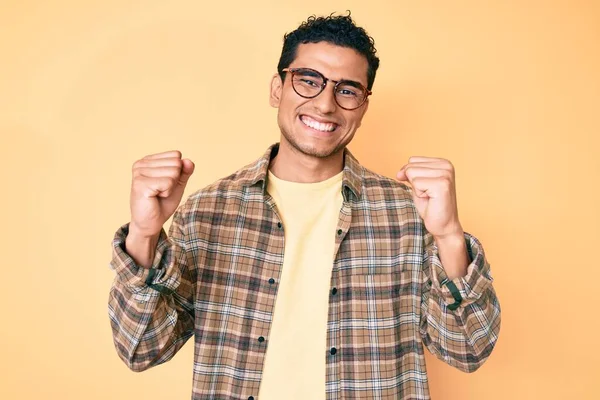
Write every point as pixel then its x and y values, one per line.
pixel 296 353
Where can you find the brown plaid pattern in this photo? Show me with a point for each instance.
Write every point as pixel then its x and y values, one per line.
pixel 215 279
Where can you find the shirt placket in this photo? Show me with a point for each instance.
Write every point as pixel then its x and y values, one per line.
pixel 272 277
pixel 334 352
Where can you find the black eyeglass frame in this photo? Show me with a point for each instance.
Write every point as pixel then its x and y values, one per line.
pixel 324 85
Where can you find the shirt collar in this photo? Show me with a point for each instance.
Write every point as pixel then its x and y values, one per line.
pixel 257 173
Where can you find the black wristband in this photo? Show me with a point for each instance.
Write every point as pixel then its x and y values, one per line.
pixel 159 288
pixel 454 292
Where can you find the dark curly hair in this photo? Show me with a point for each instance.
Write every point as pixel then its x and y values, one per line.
pixel 337 30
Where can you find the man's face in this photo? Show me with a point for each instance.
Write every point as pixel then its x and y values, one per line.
pixel 297 113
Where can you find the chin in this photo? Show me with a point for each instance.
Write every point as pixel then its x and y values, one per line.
pixel 315 148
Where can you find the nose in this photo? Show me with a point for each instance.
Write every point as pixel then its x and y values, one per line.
pixel 325 101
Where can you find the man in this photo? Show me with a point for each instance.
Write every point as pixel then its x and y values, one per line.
pixel 304 275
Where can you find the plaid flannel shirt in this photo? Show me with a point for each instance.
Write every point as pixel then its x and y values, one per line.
pixel 215 278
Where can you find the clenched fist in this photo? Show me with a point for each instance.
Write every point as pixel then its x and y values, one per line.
pixel 434 194
pixel 156 190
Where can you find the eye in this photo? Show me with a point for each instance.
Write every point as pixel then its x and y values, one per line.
pixel 347 92
pixel 308 82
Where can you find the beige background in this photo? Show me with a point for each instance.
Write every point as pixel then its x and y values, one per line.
pixel 507 90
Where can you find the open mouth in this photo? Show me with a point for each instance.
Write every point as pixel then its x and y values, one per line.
pixel 325 127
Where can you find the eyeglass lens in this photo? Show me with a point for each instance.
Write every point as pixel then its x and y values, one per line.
pixel 309 83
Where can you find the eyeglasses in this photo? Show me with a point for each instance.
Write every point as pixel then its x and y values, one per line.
pixel 309 83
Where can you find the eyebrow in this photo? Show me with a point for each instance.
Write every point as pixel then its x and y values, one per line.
pixel 309 72
pixel 356 84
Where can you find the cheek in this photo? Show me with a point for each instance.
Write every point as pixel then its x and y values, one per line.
pixel 287 104
pixel 286 113
pixel 357 119
pixel 353 122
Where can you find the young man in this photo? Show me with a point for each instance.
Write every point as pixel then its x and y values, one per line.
pixel 304 275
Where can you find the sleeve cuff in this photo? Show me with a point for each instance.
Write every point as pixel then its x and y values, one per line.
pixel 467 289
pixel 136 277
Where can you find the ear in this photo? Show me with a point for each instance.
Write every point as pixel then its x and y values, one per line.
pixel 276 89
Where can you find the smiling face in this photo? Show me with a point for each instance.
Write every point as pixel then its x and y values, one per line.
pixel 319 127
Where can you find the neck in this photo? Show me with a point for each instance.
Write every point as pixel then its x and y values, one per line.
pixel 294 166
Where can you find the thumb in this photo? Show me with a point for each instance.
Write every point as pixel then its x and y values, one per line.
pixel 186 171
pixel 401 175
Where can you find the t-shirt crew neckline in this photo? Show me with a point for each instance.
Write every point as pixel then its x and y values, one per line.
pixel 300 186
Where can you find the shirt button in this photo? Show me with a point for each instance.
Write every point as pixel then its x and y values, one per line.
pixel 334 291
pixel 333 350
pixel 251 398
pixel 271 281
pixel 340 232
pixel 279 225
pixel 261 339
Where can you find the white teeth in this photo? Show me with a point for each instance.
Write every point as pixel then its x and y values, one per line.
pixel 318 125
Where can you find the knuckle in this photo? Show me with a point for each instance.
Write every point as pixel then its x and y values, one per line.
pixel 137 183
pixel 136 171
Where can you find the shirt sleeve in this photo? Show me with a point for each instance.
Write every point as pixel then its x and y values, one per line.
pixel 460 318
pixel 151 310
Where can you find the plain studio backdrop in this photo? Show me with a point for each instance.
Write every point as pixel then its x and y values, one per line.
pixel 509 91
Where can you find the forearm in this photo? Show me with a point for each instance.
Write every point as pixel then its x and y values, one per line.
pixel 460 332
pixel 465 338
pixel 453 255
pixel 151 309
pixel 148 327
pixel 141 248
